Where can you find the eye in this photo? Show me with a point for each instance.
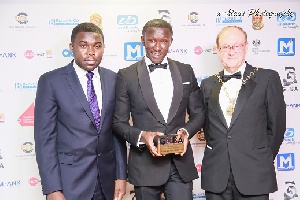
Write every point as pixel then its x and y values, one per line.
pixel 83 46
pixel 225 47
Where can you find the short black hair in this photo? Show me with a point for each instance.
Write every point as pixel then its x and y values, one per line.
pixel 158 23
pixel 86 27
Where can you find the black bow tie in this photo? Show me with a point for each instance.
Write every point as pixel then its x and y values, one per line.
pixel 152 67
pixel 237 75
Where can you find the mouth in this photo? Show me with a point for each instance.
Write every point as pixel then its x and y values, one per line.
pixel 90 61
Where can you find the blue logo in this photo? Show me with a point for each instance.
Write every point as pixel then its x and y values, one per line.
pixel 133 51
pixel 286 47
pixel 127 20
pixel 286 162
pixel 282 18
pixel 64 22
pixel 229 20
pixel 289 135
pixel 8 55
pixel 67 53
pixel 25 86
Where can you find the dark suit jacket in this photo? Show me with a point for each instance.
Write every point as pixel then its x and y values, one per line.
pixel 134 95
pixel 70 152
pixel 251 143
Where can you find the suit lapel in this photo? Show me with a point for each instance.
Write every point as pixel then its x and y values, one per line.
pixel 147 90
pixel 244 94
pixel 104 89
pixel 177 89
pixel 214 98
pixel 76 87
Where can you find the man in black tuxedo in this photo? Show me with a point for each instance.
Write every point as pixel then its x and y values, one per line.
pixel 158 100
pixel 245 124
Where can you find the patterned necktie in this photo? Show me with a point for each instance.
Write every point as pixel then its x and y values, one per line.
pixel 237 75
pixel 152 67
pixel 92 99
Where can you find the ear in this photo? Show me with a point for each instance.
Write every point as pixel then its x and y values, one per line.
pixel 71 47
pixel 143 40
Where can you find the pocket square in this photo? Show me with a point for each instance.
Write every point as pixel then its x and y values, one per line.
pixel 185 83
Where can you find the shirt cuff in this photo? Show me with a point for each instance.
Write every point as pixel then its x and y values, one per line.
pixel 187 133
pixel 140 143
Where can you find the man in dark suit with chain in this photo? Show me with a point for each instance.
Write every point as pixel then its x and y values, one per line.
pixel 244 126
pixel 158 92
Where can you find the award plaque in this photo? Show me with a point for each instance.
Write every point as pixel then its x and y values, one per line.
pixel 169 143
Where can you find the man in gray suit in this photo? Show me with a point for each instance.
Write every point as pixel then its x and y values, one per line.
pixel 78 156
pixel 158 92
pixel 244 126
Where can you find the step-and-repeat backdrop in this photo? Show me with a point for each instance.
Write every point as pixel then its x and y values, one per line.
pixel 34 39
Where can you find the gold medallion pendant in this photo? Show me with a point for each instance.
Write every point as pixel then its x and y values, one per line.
pixel 230 109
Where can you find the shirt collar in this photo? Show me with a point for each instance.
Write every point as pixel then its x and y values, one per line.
pixel 82 73
pixel 241 69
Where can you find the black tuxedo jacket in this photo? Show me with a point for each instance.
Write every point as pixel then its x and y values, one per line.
pixel 70 151
pixel 251 143
pixel 134 95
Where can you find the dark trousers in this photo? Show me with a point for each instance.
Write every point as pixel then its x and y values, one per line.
pixel 232 193
pixel 173 189
pixel 98 194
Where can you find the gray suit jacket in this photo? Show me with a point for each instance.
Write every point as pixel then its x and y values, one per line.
pixel 251 143
pixel 70 152
pixel 134 95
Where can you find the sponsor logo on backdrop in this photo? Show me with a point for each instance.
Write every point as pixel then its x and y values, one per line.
pixel 229 17
pixel 133 51
pixel 257 21
pixel 8 55
pixel 286 162
pixel 290 82
pixel 178 51
pixel 29 54
pixel 2 118
pixel 256 47
pixel 27 147
pixel 65 22
pixel 200 139
pixel 11 183
pixel 33 181
pixel 67 53
pixel 1 164
pixel 289 135
pixel 97 20
pixel 199 196
pixel 193 21
pixel 25 86
pixel 165 15
pixel 128 23
pixel 27 118
pixel 286 47
pixel 290 191
pixel 287 21
pixel 198 50
pixel 22 23
pixel 293 105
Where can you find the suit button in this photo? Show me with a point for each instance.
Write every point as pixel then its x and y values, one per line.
pixel 229 137
pixel 98 154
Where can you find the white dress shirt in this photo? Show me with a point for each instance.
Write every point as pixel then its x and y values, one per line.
pixel 81 73
pixel 233 87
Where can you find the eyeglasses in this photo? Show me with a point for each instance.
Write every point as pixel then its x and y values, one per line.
pixel 235 48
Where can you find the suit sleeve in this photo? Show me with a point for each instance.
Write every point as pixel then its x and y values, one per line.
pixel 45 134
pixel 276 110
pixel 121 157
pixel 121 117
pixel 195 108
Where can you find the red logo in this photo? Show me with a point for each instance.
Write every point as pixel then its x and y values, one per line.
pixel 198 50
pixel 27 118
pixel 199 167
pixel 33 181
pixel 29 54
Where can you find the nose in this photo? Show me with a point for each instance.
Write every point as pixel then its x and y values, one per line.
pixel 90 51
pixel 157 46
